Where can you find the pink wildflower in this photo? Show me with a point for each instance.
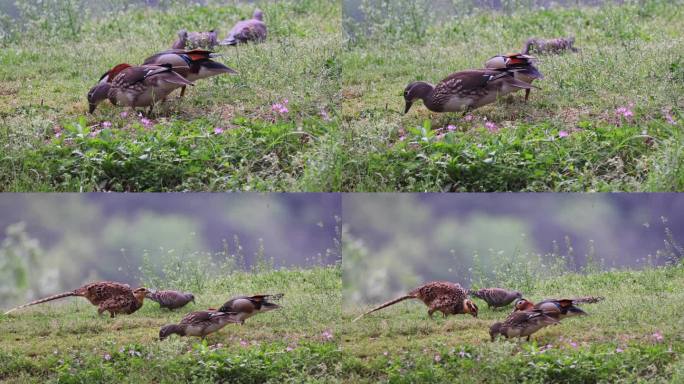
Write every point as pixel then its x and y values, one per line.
pixel 218 130
pixel 491 126
pixel 123 114
pixel 289 349
pixel 327 335
pixel 624 112
pixel 657 336
pixel 438 358
pixel 573 344
pixel 146 122
pixel 107 356
pixel 385 353
pixel 563 134
pixel 619 350
pixel 106 124
pixel 451 128
pixel 668 116
pixel 468 118
pixel 243 343
pixel 324 115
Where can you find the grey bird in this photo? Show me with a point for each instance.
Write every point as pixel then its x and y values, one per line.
pixel 248 306
pixel 171 299
pixel 244 31
pixel 496 297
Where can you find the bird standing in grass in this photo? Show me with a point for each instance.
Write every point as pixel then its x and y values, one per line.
pixel 522 324
pixel 557 308
pixel 247 306
pixel 496 297
pixel 193 65
pixel 520 65
pixel 108 296
pixel 244 31
pixel 140 86
pixel 171 299
pixel 446 297
pixel 463 91
pixel 199 323
pixel 194 40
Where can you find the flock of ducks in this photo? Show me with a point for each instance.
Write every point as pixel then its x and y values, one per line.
pixel 118 298
pixel 502 75
pixel 189 60
pixel 526 318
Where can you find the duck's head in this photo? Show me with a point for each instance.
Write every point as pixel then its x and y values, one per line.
pixel 414 91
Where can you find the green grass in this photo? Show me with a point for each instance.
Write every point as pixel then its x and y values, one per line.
pixel 631 56
pixel 69 343
pixel 615 343
pixel 50 143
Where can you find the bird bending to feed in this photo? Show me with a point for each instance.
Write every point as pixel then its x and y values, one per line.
pixel 194 40
pixel 192 65
pixel 521 324
pixel 520 65
pixel 200 324
pixel 463 91
pixel 550 46
pixel 446 297
pixel 139 86
pixel 496 297
pixel 109 297
pixel 248 306
pixel 245 31
pixel 170 299
pixel 557 308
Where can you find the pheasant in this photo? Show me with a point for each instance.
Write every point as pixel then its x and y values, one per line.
pixel 446 297
pixel 192 65
pixel 248 306
pixel 247 30
pixel 193 40
pixel 464 91
pixel 171 299
pixel 200 324
pixel 138 86
pixel 557 308
pixel 520 65
pixel 521 324
pixel 550 46
pixel 109 297
pixel 496 297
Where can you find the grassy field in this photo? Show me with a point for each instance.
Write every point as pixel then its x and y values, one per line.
pixel 633 336
pixel 609 118
pixel 224 135
pixel 69 343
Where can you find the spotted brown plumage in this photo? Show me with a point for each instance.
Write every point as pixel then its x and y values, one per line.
pixel 138 86
pixel 521 324
pixel 194 40
pixel 252 30
pixel 557 308
pixel 199 323
pixel 557 45
pixel 520 65
pixel 108 296
pixel 248 306
pixel 463 91
pixel 193 64
pixel 496 297
pixel 171 299
pixel 443 296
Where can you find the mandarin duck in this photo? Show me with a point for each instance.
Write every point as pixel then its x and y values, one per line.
pixel 199 324
pixel 193 65
pixel 443 296
pixel 245 31
pixel 463 91
pixel 520 65
pixel 108 296
pixel 522 324
pixel 139 86
pixel 247 306
pixel 496 297
pixel 557 308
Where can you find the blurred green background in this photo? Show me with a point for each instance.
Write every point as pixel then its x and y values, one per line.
pixel 56 242
pixel 394 242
